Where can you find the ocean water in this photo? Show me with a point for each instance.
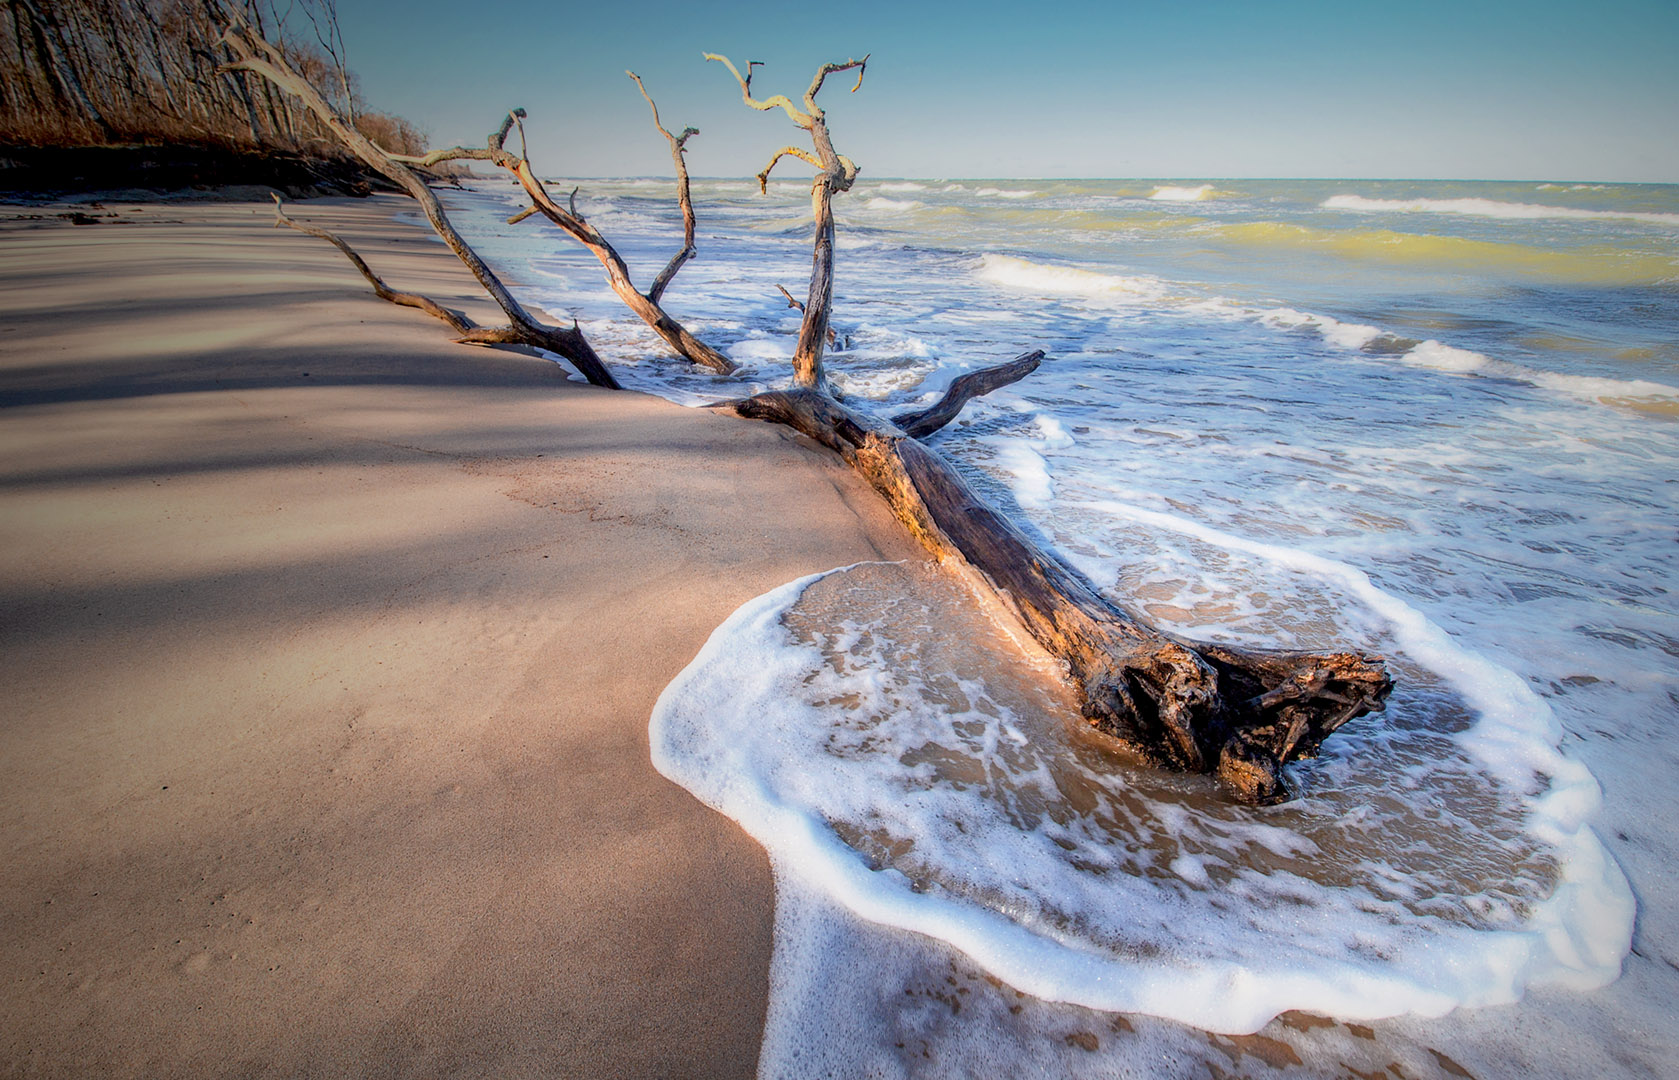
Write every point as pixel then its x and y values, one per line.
pixel 1436 420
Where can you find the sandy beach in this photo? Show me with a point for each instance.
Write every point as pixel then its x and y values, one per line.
pixel 328 649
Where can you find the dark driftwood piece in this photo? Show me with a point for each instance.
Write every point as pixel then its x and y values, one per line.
pixel 1237 713
pixel 795 302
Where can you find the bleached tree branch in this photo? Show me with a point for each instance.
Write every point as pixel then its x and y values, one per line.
pixel 678 152
pixel 786 151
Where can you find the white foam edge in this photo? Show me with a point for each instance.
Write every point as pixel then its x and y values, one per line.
pixel 1584 930
pixel 1434 355
pixel 1576 938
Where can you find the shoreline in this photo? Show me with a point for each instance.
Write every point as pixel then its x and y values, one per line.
pixel 331 646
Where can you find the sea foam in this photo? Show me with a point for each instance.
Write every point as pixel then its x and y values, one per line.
pixel 936 788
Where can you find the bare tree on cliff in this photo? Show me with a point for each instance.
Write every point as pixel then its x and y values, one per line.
pixel 1240 714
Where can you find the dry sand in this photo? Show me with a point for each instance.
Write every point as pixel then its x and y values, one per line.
pixel 327 648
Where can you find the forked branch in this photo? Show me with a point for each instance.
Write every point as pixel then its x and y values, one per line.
pixel 457 321
pixel 257 55
pixel 678 152
pixel 645 305
pixel 835 173
pixel 831 69
pixel 779 101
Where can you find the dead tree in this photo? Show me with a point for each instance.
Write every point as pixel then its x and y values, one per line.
pixel 1238 713
pixel 835 174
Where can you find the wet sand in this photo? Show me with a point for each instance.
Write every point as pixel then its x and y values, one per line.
pixel 327 649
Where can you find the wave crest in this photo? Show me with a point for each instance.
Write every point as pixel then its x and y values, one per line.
pixel 1492 208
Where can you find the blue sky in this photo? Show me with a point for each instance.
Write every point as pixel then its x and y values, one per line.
pixel 1533 90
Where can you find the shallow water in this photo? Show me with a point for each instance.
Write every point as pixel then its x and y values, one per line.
pixel 1431 419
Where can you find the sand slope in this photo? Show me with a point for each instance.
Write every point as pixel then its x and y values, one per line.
pixel 327 648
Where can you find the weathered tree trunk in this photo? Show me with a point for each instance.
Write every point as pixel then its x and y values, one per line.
pixel 836 173
pixel 1239 714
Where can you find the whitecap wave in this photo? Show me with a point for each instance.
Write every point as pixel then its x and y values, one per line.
pixel 1170 193
pixel 1016 273
pixel 1438 356
pixel 1492 208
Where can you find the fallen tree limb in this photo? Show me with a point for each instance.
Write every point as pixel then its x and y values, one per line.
pixel 257 55
pixel 1238 713
pixel 457 321
pixel 920 424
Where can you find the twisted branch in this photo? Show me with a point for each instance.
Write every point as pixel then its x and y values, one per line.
pixel 786 151
pixel 830 69
pixel 457 321
pixel 779 101
pixel 678 149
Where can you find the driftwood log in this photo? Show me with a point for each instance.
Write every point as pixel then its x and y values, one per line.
pixel 1240 714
